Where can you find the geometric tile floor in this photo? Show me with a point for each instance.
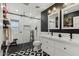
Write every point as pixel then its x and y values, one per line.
pixel 29 52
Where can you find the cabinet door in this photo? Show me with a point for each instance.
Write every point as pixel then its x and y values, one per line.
pixel 47 45
pixel 60 49
pixel 51 47
pixel 73 49
pixel 60 52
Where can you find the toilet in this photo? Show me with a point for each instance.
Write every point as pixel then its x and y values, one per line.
pixel 37 45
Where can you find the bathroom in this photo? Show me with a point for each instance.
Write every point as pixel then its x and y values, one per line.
pixel 52 26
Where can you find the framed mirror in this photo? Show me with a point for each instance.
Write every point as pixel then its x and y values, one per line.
pixel 54 20
pixel 70 17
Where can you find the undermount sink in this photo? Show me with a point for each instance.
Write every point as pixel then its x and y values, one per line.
pixel 61 38
pixel 66 39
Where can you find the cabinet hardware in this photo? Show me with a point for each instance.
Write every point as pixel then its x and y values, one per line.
pixel 64 48
pixel 52 33
pixel 70 35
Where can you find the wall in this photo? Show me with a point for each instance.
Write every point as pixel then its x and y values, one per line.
pixel 1 29
pixel 22 20
pixel 14 17
pixel 33 23
pixel 25 21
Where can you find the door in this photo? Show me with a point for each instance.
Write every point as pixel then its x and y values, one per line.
pixel 26 33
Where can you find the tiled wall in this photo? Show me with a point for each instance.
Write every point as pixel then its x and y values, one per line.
pixel 25 21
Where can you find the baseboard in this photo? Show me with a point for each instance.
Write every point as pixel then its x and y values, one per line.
pixel 22 43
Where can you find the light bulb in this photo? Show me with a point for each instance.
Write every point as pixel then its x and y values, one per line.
pixel 54 8
pixel 49 11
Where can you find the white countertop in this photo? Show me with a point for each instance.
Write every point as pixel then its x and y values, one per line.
pixel 64 39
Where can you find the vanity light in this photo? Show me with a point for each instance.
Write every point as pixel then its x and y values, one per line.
pixel 54 8
pixel 49 11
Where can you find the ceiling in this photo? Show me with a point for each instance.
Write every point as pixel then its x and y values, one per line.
pixel 29 9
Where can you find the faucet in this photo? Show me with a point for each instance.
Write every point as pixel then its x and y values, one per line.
pixel 52 33
pixel 70 36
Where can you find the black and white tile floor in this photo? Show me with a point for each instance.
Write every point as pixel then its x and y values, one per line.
pixel 25 50
pixel 29 52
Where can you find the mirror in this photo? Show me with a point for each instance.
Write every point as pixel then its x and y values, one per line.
pixel 54 20
pixel 70 17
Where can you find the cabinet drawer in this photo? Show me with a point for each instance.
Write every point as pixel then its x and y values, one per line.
pixel 61 49
pixel 72 49
pixel 59 52
pixel 50 47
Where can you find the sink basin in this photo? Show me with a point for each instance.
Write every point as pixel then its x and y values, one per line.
pixel 61 38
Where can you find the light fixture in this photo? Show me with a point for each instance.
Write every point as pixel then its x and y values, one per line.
pixel 54 8
pixel 49 11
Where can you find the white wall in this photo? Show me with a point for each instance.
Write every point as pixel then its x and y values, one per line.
pixel 14 17
pixel 25 21
pixel 33 23
pixel 22 20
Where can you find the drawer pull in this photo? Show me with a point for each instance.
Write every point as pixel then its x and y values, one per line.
pixel 64 48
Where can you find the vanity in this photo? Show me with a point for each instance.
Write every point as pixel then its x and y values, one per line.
pixel 56 46
pixel 65 20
